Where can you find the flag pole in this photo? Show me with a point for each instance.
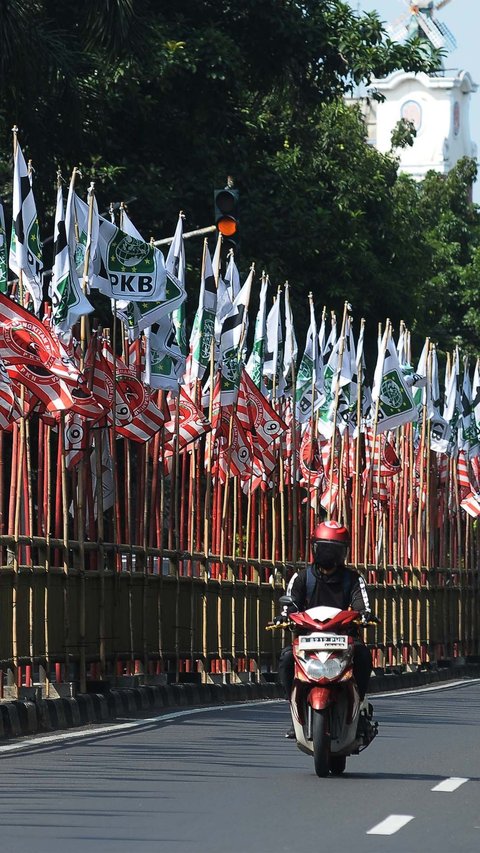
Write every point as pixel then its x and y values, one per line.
pixel 16 474
pixel 421 459
pixel 335 407
pixel 273 501
pixel 357 496
pixel 312 421
pixel 374 438
pixel 230 426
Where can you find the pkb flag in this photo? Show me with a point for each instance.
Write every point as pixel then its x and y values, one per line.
pixel 130 269
pixel 25 246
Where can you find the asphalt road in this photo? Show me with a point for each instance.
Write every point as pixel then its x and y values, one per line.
pixel 226 781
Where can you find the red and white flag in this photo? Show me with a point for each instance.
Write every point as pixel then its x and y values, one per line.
pixel 192 423
pixel 256 414
pixel 76 437
pixel 24 340
pixel 10 408
pixel 471 504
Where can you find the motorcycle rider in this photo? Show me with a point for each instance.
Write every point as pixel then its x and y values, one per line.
pixel 328 582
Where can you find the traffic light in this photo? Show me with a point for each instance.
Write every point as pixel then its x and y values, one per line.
pixel 226 215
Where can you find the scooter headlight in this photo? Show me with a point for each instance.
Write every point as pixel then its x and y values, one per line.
pixel 331 668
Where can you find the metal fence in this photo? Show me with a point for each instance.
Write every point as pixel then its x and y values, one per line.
pixel 164 613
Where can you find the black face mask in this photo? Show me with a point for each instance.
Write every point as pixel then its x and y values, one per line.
pixel 329 555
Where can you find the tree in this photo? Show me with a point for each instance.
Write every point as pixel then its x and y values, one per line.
pixel 161 101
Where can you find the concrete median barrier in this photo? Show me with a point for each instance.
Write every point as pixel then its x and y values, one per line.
pixel 25 717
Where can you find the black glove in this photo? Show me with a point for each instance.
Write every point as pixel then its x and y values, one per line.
pixel 279 620
pixel 367 617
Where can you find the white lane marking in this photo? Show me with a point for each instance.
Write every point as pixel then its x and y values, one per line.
pixel 99 731
pixel 450 784
pixel 391 824
pixel 444 686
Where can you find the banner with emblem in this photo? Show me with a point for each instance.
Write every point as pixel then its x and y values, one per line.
pixel 233 331
pixel 203 329
pixel 25 247
pixel 306 377
pixel 3 253
pixel 392 401
pixel 129 268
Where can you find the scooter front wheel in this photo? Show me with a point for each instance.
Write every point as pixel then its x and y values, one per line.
pixel 337 764
pixel 321 742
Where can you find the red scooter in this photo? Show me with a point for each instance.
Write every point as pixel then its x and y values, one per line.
pixel 330 721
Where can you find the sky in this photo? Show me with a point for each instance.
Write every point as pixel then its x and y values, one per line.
pixel 462 17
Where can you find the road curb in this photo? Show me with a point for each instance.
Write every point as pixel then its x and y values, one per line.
pixel 26 717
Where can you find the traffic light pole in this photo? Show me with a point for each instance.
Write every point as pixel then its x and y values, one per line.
pixel 198 233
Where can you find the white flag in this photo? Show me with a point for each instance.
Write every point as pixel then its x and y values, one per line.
pixel 25 247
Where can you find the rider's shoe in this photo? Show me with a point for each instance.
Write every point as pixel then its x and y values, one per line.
pixel 290 734
pixel 367 728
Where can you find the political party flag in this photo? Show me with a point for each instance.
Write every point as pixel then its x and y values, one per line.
pixel 273 363
pixel 175 263
pixel 256 414
pixel 25 257
pixel 203 330
pixel 439 427
pixel 68 301
pixel 231 339
pixel 165 363
pixel 232 277
pixel 10 408
pixel 192 423
pixel 86 239
pixel 255 361
pixel 139 315
pixel 452 407
pixel 3 253
pixel 476 408
pixel 25 340
pixel 290 350
pixel 392 402
pixel 306 378
pixel 467 433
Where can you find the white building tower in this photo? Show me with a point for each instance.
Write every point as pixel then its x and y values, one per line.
pixel 437 104
pixel 438 107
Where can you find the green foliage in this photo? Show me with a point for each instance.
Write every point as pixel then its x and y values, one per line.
pixel 403 134
pixel 159 101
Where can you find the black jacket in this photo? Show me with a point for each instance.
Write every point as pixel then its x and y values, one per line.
pixel 332 590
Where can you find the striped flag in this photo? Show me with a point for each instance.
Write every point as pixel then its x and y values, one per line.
pixel 192 423
pixel 10 409
pixel 52 391
pixel 136 414
pixel 471 504
pixel 25 257
pixel 76 439
pixel 24 340
pixel 256 414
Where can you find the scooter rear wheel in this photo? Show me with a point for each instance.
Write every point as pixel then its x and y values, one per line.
pixel 321 742
pixel 337 764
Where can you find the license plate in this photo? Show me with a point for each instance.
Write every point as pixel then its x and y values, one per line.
pixel 323 642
